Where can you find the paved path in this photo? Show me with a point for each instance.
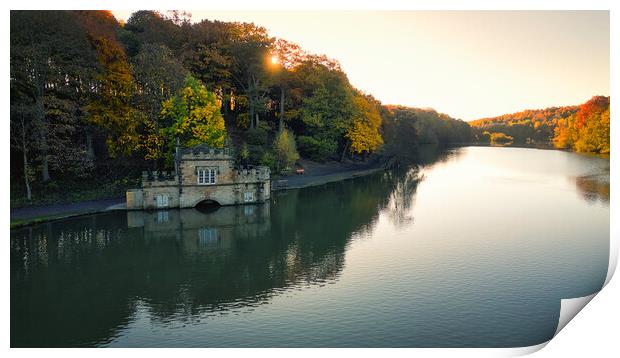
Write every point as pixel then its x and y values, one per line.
pixel 315 174
pixel 318 174
pixel 53 210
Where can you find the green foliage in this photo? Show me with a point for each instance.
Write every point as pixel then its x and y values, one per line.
pixel 318 149
pixel 285 150
pixel 269 159
pixel 434 128
pixel 88 92
pixel 195 117
pixel 258 135
pixel 400 133
pixel 243 155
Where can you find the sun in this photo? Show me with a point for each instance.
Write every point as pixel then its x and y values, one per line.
pixel 274 60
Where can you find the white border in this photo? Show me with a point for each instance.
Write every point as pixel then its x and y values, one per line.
pixel 594 330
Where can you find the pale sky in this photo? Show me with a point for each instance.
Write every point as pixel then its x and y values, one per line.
pixel 468 64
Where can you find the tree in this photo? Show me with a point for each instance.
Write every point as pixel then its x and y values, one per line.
pixel 152 27
pixel 22 133
pixel 400 133
pixel 363 135
pixel 326 111
pixel 194 116
pixel 51 60
pixel 159 76
pixel 250 47
pixel 500 138
pixel 112 108
pixel 286 57
pixel 285 149
pixel 587 130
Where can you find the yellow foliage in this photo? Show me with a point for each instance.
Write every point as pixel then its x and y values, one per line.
pixel 364 133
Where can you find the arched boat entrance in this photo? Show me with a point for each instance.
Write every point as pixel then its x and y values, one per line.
pixel 207 206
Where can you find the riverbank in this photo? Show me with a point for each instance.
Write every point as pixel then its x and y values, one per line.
pixel 322 173
pixel 314 174
pixel 29 215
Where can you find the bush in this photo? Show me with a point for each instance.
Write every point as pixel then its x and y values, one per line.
pixel 258 135
pixel 243 154
pixel 285 149
pixel 316 149
pixel 243 120
pixel 268 159
pixel 500 138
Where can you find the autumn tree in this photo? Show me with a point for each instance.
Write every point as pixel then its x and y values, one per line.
pixel 588 129
pixel 112 108
pixel 285 149
pixel 194 117
pixel 363 135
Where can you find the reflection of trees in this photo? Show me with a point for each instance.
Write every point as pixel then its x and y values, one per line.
pixel 77 282
pixel 594 188
pixel 402 196
pixel 403 181
pixel 429 154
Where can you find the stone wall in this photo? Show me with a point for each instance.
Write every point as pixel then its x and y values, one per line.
pixel 232 185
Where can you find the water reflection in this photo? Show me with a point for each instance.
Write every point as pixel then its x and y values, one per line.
pixel 594 187
pixel 76 282
pixel 92 280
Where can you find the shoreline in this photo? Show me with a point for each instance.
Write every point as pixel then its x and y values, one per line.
pixel 327 173
pixel 317 174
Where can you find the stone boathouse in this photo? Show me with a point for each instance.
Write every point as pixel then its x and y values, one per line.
pixel 204 175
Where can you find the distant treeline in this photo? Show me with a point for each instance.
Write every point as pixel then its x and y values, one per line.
pixel 95 100
pixel 583 128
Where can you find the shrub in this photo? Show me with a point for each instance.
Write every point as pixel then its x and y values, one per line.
pixel 500 138
pixel 316 149
pixel 268 159
pixel 285 149
pixel 258 135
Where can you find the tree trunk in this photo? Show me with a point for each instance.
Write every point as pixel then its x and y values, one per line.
pixel 344 151
pixel 89 145
pixel 281 124
pixel 257 120
pixel 27 182
pixel 45 174
pixel 250 103
pixel 177 156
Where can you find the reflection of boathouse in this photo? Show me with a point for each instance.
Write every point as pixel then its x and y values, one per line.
pixel 204 175
pixel 195 229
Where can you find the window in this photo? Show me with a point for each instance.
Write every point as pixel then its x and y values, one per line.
pixel 162 217
pixel 248 196
pixel 162 200
pixel 207 235
pixel 206 176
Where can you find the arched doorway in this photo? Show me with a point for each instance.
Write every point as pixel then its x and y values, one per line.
pixel 207 205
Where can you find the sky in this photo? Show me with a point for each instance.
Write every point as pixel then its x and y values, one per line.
pixel 468 64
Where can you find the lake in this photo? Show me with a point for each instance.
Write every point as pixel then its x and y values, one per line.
pixel 475 247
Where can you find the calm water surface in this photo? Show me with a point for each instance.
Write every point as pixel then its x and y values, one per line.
pixel 473 249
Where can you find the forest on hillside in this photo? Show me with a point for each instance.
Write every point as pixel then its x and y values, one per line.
pixel 583 128
pixel 95 101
